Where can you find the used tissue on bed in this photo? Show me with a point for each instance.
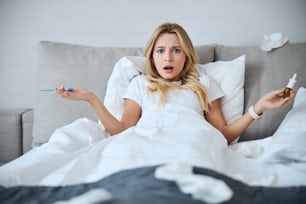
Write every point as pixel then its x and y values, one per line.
pixel 199 186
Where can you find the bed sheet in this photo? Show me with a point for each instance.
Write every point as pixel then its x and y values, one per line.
pixel 82 152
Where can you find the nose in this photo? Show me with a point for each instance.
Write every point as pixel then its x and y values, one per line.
pixel 168 56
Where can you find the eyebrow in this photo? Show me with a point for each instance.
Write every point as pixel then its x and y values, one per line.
pixel 176 46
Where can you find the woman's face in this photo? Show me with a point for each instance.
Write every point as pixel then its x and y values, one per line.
pixel 168 56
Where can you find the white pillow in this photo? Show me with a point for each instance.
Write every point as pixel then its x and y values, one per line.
pixel 228 74
pixel 230 77
pixel 124 71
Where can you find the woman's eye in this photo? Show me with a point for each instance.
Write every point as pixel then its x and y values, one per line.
pixel 176 50
pixel 160 51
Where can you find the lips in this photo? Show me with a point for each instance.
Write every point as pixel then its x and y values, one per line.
pixel 168 69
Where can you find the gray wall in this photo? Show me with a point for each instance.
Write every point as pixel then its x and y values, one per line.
pixel 129 23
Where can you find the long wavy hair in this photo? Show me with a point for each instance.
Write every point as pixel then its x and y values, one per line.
pixel 189 76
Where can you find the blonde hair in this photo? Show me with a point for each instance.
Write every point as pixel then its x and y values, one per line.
pixel 189 75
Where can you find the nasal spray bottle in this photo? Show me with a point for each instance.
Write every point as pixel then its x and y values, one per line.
pixel 289 86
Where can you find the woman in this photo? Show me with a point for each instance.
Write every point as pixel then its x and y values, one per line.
pixel 171 60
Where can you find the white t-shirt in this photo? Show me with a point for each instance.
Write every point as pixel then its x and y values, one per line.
pixel 137 91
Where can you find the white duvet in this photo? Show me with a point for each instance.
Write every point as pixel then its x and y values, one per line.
pixel 82 152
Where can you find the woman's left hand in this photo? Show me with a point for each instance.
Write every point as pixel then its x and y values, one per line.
pixel 273 100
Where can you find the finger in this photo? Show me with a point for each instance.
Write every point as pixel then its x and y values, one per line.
pixel 292 92
pixel 286 100
pixel 66 94
pixel 278 92
pixel 292 95
pixel 61 88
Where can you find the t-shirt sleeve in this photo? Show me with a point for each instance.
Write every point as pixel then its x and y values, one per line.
pixel 135 90
pixel 213 89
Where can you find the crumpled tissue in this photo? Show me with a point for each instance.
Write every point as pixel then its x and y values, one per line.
pixel 199 186
pixel 272 41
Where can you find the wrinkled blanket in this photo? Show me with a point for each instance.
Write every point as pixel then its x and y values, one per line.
pixel 82 152
pixel 139 186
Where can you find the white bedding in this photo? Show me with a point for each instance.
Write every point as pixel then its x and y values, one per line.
pixel 82 152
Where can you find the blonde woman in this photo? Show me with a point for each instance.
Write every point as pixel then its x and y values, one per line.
pixel 171 77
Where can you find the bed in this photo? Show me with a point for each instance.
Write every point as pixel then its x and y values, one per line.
pixel 74 159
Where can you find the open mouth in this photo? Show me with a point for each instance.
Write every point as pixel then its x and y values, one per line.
pixel 168 68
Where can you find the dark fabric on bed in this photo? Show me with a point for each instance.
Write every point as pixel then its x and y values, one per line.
pixel 138 186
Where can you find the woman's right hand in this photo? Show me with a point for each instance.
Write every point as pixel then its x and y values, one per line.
pixel 75 94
